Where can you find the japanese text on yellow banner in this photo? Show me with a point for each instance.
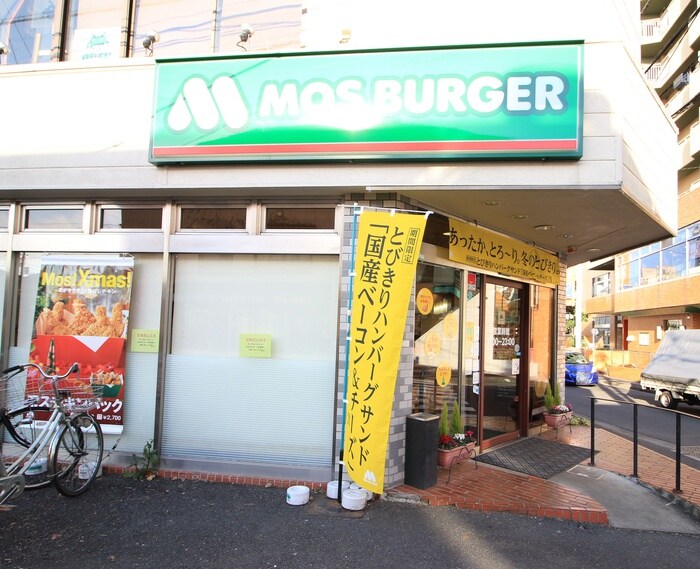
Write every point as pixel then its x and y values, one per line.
pixel 387 252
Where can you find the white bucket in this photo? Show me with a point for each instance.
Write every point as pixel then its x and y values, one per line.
pixel 332 489
pixel 39 466
pixel 297 495
pixel 354 499
pixel 85 470
pixel 369 493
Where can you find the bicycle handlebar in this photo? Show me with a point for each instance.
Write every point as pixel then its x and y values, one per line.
pixel 73 369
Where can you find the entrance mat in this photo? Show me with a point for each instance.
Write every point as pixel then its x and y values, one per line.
pixel 535 456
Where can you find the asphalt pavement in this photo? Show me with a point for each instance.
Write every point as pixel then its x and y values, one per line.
pixel 185 523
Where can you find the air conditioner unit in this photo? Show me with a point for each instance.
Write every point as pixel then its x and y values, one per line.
pixel 680 81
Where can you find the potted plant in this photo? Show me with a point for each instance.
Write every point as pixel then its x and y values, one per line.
pixel 557 414
pixel 453 442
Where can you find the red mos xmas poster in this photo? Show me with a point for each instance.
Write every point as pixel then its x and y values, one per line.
pixel 82 315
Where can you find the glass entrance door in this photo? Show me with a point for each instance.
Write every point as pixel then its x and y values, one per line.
pixel 501 393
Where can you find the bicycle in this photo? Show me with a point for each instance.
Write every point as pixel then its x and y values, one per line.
pixel 55 439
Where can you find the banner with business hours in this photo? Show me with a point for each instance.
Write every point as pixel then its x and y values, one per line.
pixel 81 315
pixel 387 252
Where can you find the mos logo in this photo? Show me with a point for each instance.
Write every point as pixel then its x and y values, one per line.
pixel 207 107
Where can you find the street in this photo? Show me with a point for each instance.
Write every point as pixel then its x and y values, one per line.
pixel 657 427
pixel 123 522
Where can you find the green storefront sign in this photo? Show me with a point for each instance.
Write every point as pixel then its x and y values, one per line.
pixel 449 103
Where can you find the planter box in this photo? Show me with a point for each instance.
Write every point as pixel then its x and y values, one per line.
pixel 557 420
pixel 448 457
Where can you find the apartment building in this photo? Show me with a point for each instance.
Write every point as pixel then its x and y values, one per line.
pixel 223 148
pixel 631 299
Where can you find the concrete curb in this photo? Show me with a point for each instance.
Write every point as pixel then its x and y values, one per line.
pixel 693 510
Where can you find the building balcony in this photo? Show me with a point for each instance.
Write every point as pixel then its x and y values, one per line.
pixel 604 304
pixel 678 292
pixel 658 30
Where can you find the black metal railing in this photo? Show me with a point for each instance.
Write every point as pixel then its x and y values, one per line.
pixel 635 434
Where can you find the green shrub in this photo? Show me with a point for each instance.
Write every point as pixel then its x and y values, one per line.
pixel 444 424
pixel 144 467
pixel 456 425
pixel 552 398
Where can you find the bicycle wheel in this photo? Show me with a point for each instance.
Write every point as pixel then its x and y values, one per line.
pixel 22 430
pixel 76 455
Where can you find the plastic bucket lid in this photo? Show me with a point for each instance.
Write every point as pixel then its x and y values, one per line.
pixel 354 499
pixel 332 488
pixel 297 495
pixel 369 493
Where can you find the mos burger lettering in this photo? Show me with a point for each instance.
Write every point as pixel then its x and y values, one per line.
pixel 524 93
pixel 485 94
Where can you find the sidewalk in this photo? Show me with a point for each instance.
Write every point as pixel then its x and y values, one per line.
pixel 485 488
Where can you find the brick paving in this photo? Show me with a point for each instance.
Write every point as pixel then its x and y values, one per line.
pixel 482 487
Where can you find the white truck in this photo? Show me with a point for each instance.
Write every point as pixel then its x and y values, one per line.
pixel 674 371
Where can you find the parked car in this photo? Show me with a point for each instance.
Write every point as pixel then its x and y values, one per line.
pixel 578 370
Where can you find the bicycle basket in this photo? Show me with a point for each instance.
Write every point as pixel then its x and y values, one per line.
pixel 78 395
pixel 13 390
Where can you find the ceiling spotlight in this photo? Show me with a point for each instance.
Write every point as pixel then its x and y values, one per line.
pixel 593 250
pixel 245 35
pixel 545 227
pixel 491 203
pixel 566 235
pixel 151 38
pixel 4 50
pixel 518 216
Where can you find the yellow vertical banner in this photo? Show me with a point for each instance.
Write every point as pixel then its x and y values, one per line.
pixel 387 251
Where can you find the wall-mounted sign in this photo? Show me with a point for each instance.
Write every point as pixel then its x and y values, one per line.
pixel 430 103
pixel 487 250
pixel 255 345
pixel 95 43
pixel 145 340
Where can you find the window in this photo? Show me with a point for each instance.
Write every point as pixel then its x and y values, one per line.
pixel 601 331
pixel 276 25
pixel 42 219
pixel 131 218
pixel 34 29
pixel 650 269
pixel 601 285
pixel 28 29
pixel 4 218
pixel 673 262
pixel 669 259
pixel 217 300
pixel 213 218
pixel 195 28
pixel 308 218
pixel 183 27
pixel 628 275
pixel 95 29
pixel 694 255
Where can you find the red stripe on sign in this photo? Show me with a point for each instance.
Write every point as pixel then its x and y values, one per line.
pixel 355 147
